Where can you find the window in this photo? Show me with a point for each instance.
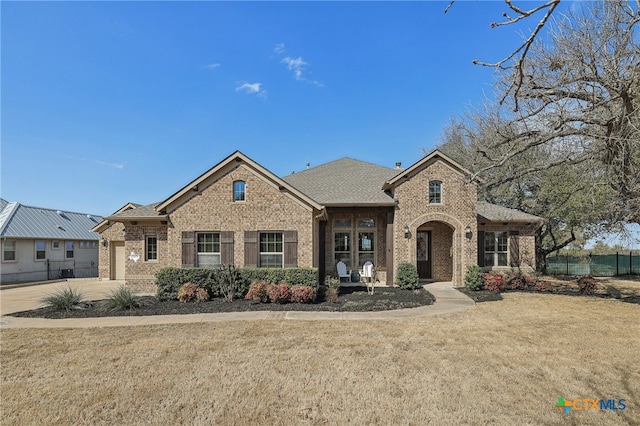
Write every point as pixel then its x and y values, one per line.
pixel 435 192
pixel 9 251
pixel 152 248
pixel 495 248
pixel 238 190
pixel 342 248
pixel 68 246
pixel 55 245
pixel 208 249
pixel 41 250
pixel 365 248
pixel 271 250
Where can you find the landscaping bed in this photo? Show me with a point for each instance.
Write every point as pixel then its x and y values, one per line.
pixel 351 299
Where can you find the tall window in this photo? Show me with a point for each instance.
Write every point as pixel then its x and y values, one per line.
pixel 152 248
pixel 435 192
pixel 271 250
pixel 495 248
pixel 365 248
pixel 208 249
pixel 68 246
pixel 9 251
pixel 41 250
pixel 342 248
pixel 238 190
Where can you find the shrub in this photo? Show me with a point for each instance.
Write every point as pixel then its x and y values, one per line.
pixel 331 295
pixel 587 284
pixel 258 292
pixel 202 295
pixel 473 278
pixel 279 293
pixel 543 286
pixel 519 282
pixel 120 299
pixel 230 283
pixel 188 292
pixel 64 299
pixel 302 294
pixel 168 282
pixel 407 276
pixel 493 282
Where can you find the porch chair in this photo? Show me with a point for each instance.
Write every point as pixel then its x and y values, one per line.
pixel 368 276
pixel 342 271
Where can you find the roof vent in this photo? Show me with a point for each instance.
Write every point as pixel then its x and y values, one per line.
pixel 398 165
pixel 308 165
pixel 60 212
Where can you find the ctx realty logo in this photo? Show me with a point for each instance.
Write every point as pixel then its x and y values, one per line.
pixel 587 404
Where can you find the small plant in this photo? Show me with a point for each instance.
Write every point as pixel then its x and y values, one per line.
pixel 230 283
pixel 473 278
pixel 407 276
pixel 301 294
pixel 331 295
pixel 120 299
pixel 587 285
pixel 543 286
pixel 187 292
pixel 519 282
pixel 202 295
pixel 279 293
pixel 258 292
pixel 493 282
pixel 64 299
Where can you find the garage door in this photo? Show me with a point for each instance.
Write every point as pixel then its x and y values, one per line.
pixel 117 260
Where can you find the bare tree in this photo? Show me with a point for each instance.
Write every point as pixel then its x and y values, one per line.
pixel 579 99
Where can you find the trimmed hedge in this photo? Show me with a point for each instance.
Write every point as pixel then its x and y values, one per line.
pixel 169 280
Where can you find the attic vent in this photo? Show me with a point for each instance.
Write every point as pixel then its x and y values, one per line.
pixel 398 165
pixel 60 212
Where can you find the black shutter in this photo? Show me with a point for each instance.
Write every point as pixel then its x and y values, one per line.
pixel 226 247
pixel 514 248
pixel 188 249
pixel 481 248
pixel 290 249
pixel 250 249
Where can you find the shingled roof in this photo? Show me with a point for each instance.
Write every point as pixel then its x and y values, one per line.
pixel 345 182
pixel 488 212
pixel 138 212
pixel 20 221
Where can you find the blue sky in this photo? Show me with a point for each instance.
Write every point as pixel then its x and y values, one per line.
pixel 104 103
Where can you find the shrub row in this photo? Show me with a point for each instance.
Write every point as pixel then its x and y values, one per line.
pixel 228 281
pixel 474 280
pixel 264 292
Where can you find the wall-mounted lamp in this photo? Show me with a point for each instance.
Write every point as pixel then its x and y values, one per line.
pixel 406 231
pixel 467 232
pixel 104 243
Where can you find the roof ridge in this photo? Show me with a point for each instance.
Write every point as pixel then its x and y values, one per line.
pixel 7 213
pixel 57 210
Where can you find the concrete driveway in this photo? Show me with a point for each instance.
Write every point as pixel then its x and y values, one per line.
pixel 28 297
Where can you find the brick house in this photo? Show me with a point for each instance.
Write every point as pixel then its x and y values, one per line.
pixel 238 212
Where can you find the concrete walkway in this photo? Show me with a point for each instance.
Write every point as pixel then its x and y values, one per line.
pixel 24 298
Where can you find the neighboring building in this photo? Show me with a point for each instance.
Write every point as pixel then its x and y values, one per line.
pixel 42 244
pixel 238 212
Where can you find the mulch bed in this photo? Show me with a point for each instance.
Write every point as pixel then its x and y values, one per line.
pixel 609 292
pixel 351 299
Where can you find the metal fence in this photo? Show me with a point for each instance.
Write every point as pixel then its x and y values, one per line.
pixel 597 265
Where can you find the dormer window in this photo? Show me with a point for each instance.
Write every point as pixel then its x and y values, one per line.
pixel 239 190
pixel 435 192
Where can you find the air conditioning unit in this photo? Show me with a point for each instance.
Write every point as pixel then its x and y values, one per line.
pixel 66 273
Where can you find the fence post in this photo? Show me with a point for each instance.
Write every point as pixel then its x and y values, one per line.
pixel 617 264
pixel 630 262
pixel 567 262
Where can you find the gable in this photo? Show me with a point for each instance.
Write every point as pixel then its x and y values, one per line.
pixel 226 167
pixel 434 158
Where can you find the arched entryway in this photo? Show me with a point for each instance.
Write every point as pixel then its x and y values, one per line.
pixel 434 251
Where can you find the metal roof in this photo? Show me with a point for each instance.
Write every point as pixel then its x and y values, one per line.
pixel 19 221
pixel 345 182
